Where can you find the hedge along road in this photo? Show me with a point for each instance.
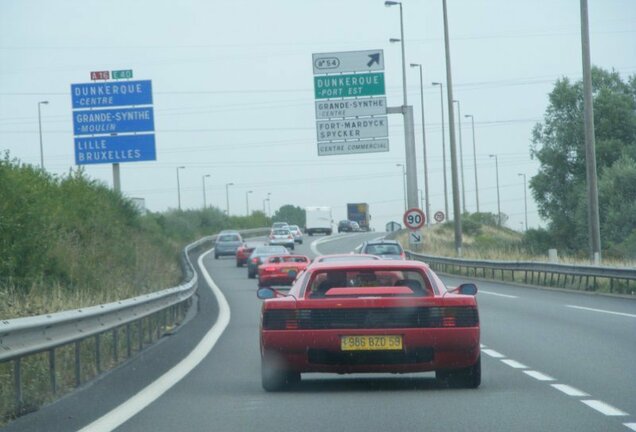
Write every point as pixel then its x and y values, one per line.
pixel 545 366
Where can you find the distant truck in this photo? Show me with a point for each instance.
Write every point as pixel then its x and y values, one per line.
pixel 318 220
pixel 359 212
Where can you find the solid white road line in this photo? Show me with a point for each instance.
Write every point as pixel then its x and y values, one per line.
pixel 601 311
pixel 514 364
pixel 153 391
pixel 538 375
pixel 496 294
pixel 325 239
pixel 604 408
pixel 570 391
pixel 493 353
pixel 631 426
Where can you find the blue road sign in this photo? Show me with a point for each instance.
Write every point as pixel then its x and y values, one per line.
pixel 118 120
pixel 114 149
pixel 111 94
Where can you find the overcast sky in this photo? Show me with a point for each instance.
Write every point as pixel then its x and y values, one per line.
pixel 233 91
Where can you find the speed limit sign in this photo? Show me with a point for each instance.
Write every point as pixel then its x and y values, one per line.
pixel 414 219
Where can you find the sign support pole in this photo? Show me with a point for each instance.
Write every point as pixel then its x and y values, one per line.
pixel 116 178
pixel 409 142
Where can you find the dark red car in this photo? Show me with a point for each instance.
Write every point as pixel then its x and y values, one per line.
pixel 244 251
pixel 370 316
pixel 281 269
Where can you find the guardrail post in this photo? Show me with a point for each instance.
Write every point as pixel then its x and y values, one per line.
pixel 17 379
pixel 52 376
pixel 116 345
pixel 98 354
pixel 78 364
pixel 128 341
pixel 140 326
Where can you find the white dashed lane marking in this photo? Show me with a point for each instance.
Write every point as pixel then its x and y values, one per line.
pixel 597 405
pixel 601 311
pixel 493 353
pixel 604 408
pixel 570 391
pixel 538 375
pixel 514 364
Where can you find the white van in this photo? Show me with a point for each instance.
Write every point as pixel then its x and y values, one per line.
pixel 318 220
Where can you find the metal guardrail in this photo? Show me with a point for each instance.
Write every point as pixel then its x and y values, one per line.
pixel 580 277
pixel 155 315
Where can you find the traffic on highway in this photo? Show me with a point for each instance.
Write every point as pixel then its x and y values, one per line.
pixel 318 215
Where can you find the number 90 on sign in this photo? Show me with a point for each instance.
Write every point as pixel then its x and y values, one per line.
pixel 414 218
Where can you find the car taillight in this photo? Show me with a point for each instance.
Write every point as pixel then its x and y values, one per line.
pixel 403 255
pixel 280 319
pixel 448 322
pixel 255 260
pixel 290 237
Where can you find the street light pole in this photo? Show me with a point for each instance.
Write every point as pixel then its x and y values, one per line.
pixel 472 120
pixel 204 197
pixel 179 187
pixel 498 199
pixel 453 149
pixel 594 229
pixel 403 183
pixel 461 155
pixel 407 112
pixel 269 204
pixel 525 198
pixel 427 206
pixel 247 202
pixel 441 100
pixel 227 197
pixel 40 130
pixel 393 3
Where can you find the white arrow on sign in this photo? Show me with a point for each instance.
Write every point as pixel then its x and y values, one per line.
pixel 415 237
pixel 348 61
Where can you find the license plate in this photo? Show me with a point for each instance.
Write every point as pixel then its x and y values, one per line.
pixel 371 343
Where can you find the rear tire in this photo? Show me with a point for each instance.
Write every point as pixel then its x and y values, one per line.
pixel 216 256
pixel 469 377
pixel 251 275
pixel 275 376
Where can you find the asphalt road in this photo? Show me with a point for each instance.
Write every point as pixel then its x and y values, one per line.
pixel 551 361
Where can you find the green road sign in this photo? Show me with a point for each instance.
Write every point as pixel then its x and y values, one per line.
pixel 349 85
pixel 122 74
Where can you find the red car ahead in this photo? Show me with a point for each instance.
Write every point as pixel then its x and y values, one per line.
pixel 244 251
pixel 370 316
pixel 281 269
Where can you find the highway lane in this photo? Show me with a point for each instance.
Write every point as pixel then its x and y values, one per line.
pixel 531 327
pixel 224 392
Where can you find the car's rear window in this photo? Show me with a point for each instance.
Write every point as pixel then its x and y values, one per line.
pixel 229 238
pixel 282 232
pixel 383 249
pixel 323 281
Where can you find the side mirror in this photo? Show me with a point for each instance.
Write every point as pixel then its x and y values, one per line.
pixel 466 289
pixel 266 293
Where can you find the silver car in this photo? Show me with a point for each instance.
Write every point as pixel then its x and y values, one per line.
pixel 282 237
pixel 297 233
pixel 227 242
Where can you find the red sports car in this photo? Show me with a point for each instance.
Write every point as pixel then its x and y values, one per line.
pixel 370 316
pixel 244 251
pixel 281 269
